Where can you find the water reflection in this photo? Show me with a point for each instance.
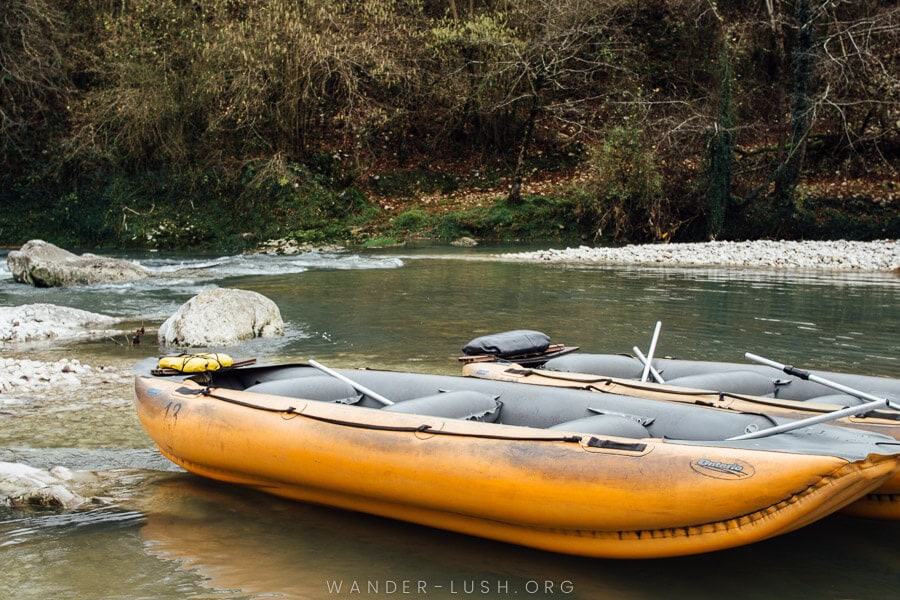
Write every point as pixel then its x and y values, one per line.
pixel 424 312
pixel 178 536
pixel 93 552
pixel 236 539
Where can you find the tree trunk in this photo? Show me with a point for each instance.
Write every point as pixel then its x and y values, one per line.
pixel 515 190
pixel 801 115
pixel 720 149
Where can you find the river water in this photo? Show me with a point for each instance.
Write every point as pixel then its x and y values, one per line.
pixel 165 534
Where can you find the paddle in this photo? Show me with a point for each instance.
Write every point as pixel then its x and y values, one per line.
pixel 359 388
pixel 806 375
pixel 643 359
pixel 874 401
pixel 845 412
pixel 648 362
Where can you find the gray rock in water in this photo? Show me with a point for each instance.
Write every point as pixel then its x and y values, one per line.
pixel 465 242
pixel 22 485
pixel 42 264
pixel 221 317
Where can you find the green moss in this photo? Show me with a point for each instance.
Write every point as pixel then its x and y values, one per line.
pixel 536 218
pixel 412 221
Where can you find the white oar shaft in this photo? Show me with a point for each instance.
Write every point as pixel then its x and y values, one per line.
pixel 844 412
pixel 813 377
pixel 359 388
pixel 647 363
pixel 643 359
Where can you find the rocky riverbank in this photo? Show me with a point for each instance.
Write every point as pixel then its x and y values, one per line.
pixel 24 383
pixel 23 377
pixel 883 255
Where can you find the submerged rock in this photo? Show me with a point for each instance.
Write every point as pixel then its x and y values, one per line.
pixel 42 264
pixel 22 485
pixel 465 242
pixel 221 317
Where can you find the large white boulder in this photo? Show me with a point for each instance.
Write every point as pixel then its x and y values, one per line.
pixel 37 322
pixel 42 264
pixel 221 317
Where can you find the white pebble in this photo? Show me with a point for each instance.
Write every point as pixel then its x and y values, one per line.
pixel 883 255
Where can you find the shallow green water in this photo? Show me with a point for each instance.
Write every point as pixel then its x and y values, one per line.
pixel 171 535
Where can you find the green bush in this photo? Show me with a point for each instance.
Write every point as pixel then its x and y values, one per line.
pixel 624 192
pixel 412 221
pixel 536 218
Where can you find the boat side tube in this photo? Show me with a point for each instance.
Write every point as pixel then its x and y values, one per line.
pixel 676 372
pixel 320 387
pixel 619 426
pixel 529 406
pixel 471 406
pixel 737 382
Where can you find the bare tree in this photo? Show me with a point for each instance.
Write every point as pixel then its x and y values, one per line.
pixel 804 70
pixel 34 83
pixel 568 47
pixel 860 94
pixel 842 83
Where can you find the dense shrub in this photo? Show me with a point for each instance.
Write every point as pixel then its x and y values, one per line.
pixel 623 195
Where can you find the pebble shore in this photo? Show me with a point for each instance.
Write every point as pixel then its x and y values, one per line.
pixel 24 377
pixel 883 255
pixel 25 382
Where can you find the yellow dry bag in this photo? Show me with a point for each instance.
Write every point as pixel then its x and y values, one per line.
pixel 196 363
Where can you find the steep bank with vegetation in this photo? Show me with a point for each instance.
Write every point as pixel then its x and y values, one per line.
pixel 223 123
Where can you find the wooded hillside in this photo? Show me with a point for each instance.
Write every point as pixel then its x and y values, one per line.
pixel 126 121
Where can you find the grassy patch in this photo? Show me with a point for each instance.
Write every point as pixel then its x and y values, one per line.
pixel 536 218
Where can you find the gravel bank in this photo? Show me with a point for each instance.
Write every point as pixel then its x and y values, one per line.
pixel 38 379
pixel 31 386
pixel 883 255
